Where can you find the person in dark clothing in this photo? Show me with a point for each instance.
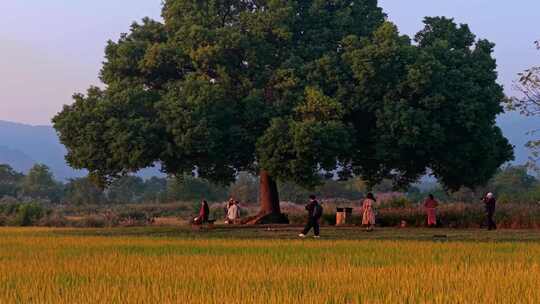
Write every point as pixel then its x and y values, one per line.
pixel 315 211
pixel 490 202
pixel 204 213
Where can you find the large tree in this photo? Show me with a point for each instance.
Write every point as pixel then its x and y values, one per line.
pixel 292 91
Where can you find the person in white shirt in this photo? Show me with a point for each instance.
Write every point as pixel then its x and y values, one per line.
pixel 233 213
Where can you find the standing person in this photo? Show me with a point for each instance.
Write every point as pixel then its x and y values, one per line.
pixel 233 213
pixel 368 214
pixel 228 205
pixel 431 210
pixel 315 211
pixel 490 202
pixel 204 213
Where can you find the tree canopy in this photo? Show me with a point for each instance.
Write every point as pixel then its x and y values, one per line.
pixel 293 88
pixel 39 183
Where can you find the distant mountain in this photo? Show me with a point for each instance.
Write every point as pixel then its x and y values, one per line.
pixel 18 160
pixel 22 145
pixel 39 144
pixel 516 128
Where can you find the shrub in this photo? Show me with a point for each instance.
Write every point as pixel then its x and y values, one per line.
pixel 28 214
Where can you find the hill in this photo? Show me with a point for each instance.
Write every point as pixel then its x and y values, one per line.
pixel 23 145
pixel 34 144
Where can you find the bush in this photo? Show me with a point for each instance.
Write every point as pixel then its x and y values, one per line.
pixel 28 214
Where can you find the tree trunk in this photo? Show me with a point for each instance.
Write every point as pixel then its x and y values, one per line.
pixel 269 199
pixel 268 194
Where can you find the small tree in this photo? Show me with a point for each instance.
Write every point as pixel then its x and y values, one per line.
pixel 10 181
pixel 155 190
pixel 189 188
pixel 82 191
pixel 40 184
pixel 126 190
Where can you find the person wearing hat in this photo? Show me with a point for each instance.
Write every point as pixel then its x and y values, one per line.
pixel 490 202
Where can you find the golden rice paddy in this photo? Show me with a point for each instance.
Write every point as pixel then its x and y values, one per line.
pixel 57 266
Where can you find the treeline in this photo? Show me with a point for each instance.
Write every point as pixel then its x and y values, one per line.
pixel 511 184
pixel 40 185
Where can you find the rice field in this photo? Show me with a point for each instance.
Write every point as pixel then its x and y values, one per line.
pixel 165 266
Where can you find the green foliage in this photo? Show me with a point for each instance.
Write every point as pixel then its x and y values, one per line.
pixel 9 181
pixel 40 184
pixel 193 189
pixel 514 184
pixel 126 190
pixel 295 88
pixel 22 214
pixel 330 189
pixel 28 214
pixel 511 185
pixel 245 189
pixel 155 190
pixel 513 179
pixel 81 191
pixel 416 195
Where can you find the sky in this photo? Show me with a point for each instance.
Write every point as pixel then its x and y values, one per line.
pixel 50 49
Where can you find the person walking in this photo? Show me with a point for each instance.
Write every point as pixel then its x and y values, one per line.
pixel 315 211
pixel 490 202
pixel 368 214
pixel 431 205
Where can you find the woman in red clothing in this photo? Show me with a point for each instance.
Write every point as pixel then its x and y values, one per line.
pixel 204 213
pixel 431 209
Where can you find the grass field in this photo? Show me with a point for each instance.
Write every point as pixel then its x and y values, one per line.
pixel 261 265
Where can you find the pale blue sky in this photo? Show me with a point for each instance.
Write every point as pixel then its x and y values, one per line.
pixel 50 49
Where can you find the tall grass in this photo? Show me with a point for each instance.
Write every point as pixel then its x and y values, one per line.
pixel 40 266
